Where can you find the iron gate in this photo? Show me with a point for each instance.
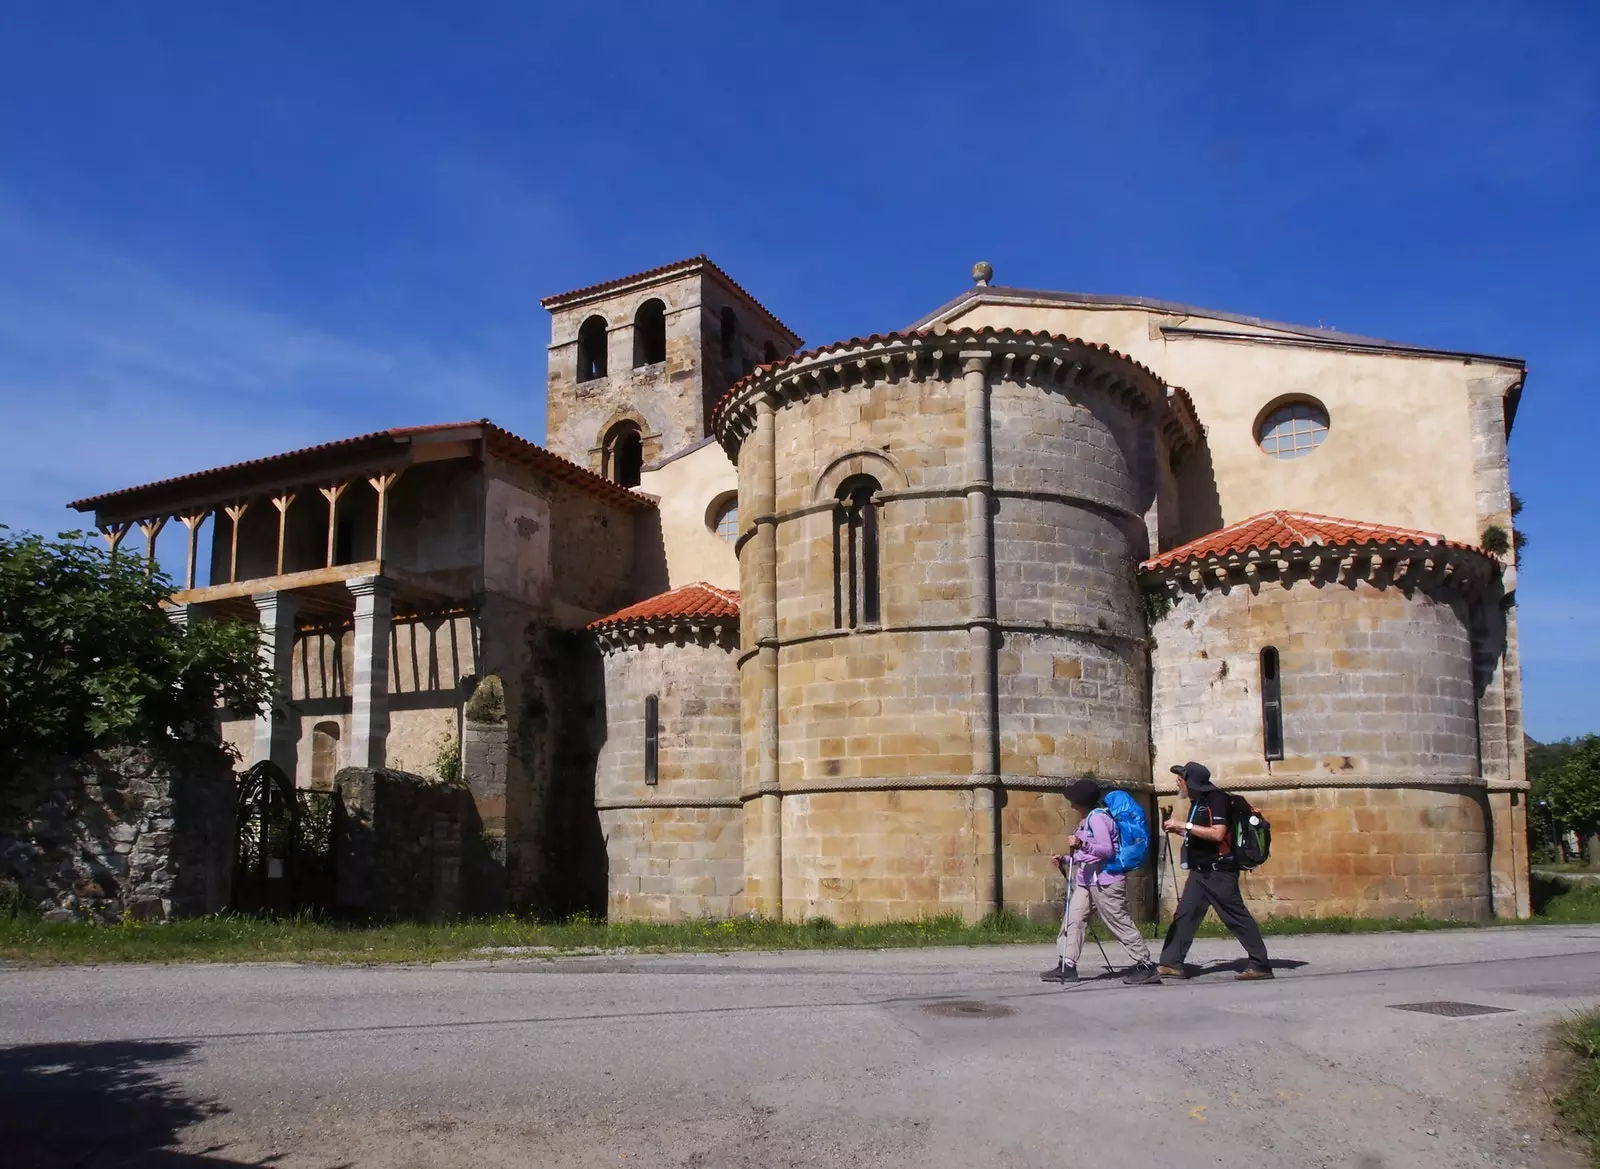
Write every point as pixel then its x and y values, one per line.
pixel 286 846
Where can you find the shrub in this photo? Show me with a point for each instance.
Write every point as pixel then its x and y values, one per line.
pixel 88 658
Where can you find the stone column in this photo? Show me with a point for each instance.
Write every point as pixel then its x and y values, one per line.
pixel 276 734
pixel 764 562
pixel 981 632
pixel 369 689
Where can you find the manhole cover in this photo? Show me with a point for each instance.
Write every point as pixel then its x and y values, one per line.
pixel 966 1009
pixel 1449 1009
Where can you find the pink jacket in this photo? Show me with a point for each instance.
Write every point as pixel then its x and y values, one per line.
pixel 1097 844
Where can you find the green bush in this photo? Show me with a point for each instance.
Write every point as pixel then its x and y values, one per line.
pixel 88 658
pixel 1579 1105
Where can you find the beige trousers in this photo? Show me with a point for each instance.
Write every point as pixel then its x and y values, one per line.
pixel 1111 903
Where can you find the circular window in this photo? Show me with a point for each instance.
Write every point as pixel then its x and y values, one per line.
pixel 723 518
pixel 1293 429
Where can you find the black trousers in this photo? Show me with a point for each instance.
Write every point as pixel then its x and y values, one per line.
pixel 1217 890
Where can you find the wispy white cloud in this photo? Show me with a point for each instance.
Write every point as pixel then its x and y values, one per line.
pixel 112 373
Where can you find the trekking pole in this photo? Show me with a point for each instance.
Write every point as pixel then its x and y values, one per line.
pixel 1173 865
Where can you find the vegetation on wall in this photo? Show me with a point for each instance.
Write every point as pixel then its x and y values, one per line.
pixel 88 658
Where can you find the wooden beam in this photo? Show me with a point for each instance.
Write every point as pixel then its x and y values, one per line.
pixel 282 502
pixel 332 494
pixel 235 513
pixel 381 484
pixel 151 529
pixel 192 521
pixel 114 534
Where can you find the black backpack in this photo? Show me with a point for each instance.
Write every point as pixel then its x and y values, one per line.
pixel 1249 834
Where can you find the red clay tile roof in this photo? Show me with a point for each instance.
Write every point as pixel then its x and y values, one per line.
pixel 1295 529
pixel 692 600
pixel 956 335
pixel 236 477
pixel 701 261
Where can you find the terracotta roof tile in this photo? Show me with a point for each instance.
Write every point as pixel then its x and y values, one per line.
pixel 234 476
pixel 692 600
pixel 1295 529
pixel 701 261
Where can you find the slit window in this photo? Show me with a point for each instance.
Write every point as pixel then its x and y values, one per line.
pixel 652 739
pixel 855 553
pixel 592 349
pixel 650 333
pixel 1271 705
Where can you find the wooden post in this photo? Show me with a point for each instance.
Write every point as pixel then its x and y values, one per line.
pixel 235 513
pixel 192 522
pixel 151 529
pixel 381 484
pixel 282 502
pixel 114 534
pixel 332 494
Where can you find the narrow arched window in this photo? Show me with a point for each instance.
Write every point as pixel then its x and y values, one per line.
pixel 769 353
pixel 592 349
pixel 1271 705
pixel 652 739
pixel 855 553
pixel 650 333
pixel 622 454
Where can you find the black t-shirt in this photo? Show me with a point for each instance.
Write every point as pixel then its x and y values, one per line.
pixel 1206 809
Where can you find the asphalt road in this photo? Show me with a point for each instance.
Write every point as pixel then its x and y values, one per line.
pixel 919 1058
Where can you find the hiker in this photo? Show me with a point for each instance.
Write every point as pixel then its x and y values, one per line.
pixel 1091 887
pixel 1213 877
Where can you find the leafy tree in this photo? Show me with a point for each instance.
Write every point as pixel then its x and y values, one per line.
pixel 88 658
pixel 1574 791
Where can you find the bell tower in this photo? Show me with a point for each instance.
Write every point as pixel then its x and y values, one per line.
pixel 637 363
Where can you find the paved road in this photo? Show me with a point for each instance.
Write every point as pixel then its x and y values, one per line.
pixel 924 1058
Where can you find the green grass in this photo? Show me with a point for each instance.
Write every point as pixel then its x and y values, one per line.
pixel 1579 1105
pixel 229 938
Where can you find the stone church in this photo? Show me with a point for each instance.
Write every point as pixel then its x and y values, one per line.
pixel 826 631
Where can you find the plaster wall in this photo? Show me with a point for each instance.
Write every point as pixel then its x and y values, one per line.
pixel 1400 441
pixel 688 488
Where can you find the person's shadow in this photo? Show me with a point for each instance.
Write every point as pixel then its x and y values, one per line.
pixel 1234 967
pixel 99 1106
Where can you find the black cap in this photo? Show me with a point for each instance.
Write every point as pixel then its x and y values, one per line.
pixel 1196 776
pixel 1083 793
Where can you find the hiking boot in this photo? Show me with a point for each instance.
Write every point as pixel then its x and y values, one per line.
pixel 1172 972
pixel 1062 973
pixel 1252 972
pixel 1143 974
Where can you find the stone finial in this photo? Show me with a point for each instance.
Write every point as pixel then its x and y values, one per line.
pixel 982 273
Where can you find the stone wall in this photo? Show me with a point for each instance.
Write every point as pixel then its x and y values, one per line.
pixel 1377 682
pixel 1368 852
pixel 675 848
pixel 412 846
pixel 888 724
pixel 121 832
pixel 1378 807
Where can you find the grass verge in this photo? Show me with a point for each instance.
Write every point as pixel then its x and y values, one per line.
pixel 229 938
pixel 1579 1105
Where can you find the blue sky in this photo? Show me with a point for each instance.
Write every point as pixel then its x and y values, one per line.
pixel 231 229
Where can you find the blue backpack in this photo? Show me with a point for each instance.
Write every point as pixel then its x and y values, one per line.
pixel 1133 833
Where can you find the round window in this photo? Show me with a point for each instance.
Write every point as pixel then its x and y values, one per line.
pixel 1293 430
pixel 724 518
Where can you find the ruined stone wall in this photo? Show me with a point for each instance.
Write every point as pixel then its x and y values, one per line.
pixel 1378 807
pixel 675 848
pixel 121 831
pixel 412 846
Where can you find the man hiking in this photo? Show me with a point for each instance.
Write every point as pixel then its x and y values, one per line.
pixel 1213 877
pixel 1091 887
